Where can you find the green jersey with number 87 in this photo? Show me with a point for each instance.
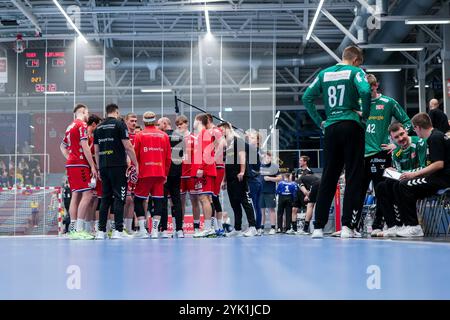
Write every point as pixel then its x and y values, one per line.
pixel 382 110
pixel 342 87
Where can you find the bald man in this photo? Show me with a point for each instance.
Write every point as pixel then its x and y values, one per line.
pixel 438 117
pixel 173 184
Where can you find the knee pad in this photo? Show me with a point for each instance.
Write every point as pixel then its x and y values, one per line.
pixel 216 204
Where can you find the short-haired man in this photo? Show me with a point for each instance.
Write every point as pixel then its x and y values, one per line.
pixel 80 166
pixel 173 184
pixel 427 181
pixel 187 183
pixel 342 87
pixel 410 155
pixel 153 154
pixel 376 155
pixel 299 202
pixel 92 123
pixel 112 145
pixel 303 168
pixel 203 170
pixel 219 153
pixel 236 171
pixel 269 175
pixel 130 121
pixel 438 118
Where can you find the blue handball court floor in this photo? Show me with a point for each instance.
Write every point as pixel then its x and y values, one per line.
pixel 268 267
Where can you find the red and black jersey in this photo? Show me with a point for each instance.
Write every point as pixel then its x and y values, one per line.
pixel 153 152
pixel 75 133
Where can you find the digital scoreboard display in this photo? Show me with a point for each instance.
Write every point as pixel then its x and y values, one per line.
pixel 59 71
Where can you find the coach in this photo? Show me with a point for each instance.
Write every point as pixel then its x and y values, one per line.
pixel 112 144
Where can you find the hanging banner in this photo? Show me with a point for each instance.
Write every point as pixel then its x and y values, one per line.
pixel 3 70
pixel 94 68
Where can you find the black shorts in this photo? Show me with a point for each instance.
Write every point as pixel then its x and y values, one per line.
pixel 300 202
pixel 268 200
pixel 314 191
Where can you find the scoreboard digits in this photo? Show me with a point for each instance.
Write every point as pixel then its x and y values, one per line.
pixel 59 71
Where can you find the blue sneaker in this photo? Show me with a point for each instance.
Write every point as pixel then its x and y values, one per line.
pixel 220 233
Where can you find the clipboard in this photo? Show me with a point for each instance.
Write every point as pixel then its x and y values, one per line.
pixel 391 174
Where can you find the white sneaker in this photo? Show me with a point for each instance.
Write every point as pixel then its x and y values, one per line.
pixel 100 235
pixel 290 231
pixel 234 233
pixel 411 231
pixel 259 232
pixel 205 233
pixel 317 234
pixel 356 234
pixel 126 234
pixel 164 235
pixel 118 235
pixel 196 231
pixel 302 233
pixel 272 232
pixel 375 232
pixel 251 232
pixel 390 232
pixel 141 234
pixel 155 234
pixel 179 234
pixel 346 232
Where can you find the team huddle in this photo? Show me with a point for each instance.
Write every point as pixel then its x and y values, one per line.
pixel 113 170
pixel 122 173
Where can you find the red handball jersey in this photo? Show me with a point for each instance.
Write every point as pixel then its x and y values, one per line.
pixel 153 152
pixel 132 136
pixel 76 132
pixel 91 146
pixel 219 147
pixel 203 154
pixel 187 156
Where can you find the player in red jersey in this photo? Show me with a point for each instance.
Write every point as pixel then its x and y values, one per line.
pixel 80 166
pixel 219 153
pixel 203 169
pixel 187 184
pixel 153 153
pixel 92 217
pixel 130 121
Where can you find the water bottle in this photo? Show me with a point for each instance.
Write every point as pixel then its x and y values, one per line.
pixel 368 221
pixel 301 220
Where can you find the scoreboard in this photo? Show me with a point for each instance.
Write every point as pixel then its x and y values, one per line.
pixel 59 71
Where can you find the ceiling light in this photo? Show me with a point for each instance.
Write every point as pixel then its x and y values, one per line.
pixel 70 21
pixel 383 69
pixel 428 21
pixel 402 48
pixel 316 16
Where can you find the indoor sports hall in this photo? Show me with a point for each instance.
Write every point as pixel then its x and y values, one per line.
pixel 224 150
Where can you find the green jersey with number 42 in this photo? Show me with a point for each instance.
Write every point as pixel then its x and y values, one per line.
pixel 342 87
pixel 382 110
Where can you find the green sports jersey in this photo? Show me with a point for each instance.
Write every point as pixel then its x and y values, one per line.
pixel 382 110
pixel 412 158
pixel 341 87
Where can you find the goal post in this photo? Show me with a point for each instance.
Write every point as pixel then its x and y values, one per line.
pixel 31 211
